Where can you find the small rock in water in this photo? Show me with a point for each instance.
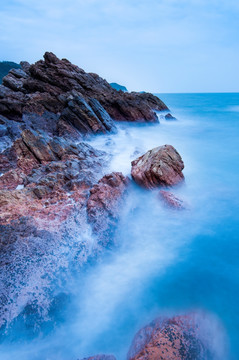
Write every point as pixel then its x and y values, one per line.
pixel 169 117
pixel 161 166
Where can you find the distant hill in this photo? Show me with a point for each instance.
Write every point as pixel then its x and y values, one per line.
pixel 118 87
pixel 5 66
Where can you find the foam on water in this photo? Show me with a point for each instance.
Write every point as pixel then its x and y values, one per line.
pixel 167 262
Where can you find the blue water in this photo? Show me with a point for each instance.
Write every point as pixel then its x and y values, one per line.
pixel 167 262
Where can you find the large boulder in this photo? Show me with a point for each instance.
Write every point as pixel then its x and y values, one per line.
pixel 184 337
pixel 161 166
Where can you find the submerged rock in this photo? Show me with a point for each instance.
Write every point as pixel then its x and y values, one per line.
pixel 171 200
pixel 161 166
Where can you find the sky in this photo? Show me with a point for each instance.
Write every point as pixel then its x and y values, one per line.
pixel 151 45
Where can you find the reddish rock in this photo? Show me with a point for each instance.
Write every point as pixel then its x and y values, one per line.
pixel 177 338
pixel 11 179
pixel 103 206
pixel 161 166
pixel 171 200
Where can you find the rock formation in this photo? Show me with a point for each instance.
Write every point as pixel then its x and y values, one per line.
pixel 161 166
pixel 55 95
pixel 177 338
pixel 51 195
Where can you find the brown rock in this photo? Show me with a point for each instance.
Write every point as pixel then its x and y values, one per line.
pixel 171 200
pixel 103 206
pixel 161 166
pixel 38 146
pixel 177 338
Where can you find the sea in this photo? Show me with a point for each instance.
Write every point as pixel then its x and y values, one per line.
pixel 165 262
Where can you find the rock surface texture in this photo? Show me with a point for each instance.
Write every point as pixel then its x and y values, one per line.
pixel 103 205
pixel 161 166
pixel 177 338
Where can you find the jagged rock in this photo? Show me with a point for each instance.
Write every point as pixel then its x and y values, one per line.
pixel 171 200
pixel 101 357
pixel 102 115
pixel 43 90
pixel 161 166
pixel 176 338
pixel 85 118
pixel 103 206
pixel 38 146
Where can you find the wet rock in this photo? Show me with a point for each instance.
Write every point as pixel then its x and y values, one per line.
pixel 161 166
pixel 176 338
pixel 101 357
pixel 171 200
pixel 104 117
pixel 103 206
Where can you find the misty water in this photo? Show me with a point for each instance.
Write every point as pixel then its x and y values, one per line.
pixel 166 262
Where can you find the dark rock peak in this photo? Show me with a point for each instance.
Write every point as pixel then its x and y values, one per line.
pixel 66 99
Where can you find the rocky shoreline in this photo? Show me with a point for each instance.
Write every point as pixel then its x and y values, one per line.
pixel 54 189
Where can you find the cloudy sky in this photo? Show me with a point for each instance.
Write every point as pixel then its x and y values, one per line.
pixel 152 45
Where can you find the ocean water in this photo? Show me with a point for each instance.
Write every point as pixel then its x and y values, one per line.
pixel 167 262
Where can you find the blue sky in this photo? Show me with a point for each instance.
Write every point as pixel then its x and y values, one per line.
pixel 152 45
